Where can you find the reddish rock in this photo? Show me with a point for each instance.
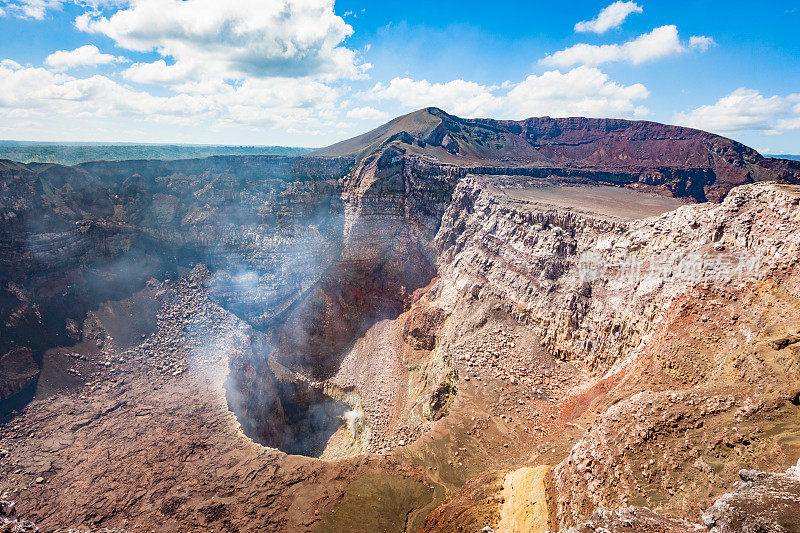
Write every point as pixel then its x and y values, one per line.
pixel 684 161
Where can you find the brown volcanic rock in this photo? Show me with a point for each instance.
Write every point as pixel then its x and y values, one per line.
pixel 72 237
pixel 639 519
pixel 684 161
pixel 421 325
pixel 694 376
pixel 393 204
pixel 17 371
pixel 316 254
pixel 760 501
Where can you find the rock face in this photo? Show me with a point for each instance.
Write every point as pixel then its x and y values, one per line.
pixel 660 311
pixel 594 286
pixel 17 371
pixel 472 297
pixel 10 522
pixel 634 519
pixel 760 501
pixel 75 236
pixel 687 162
pixel 392 208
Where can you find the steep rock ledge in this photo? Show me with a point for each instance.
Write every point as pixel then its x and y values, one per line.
pixel 392 209
pixel 686 324
pixel 759 501
pixel 593 287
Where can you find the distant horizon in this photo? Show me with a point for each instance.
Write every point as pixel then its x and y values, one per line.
pixel 12 142
pixel 75 153
pixel 7 142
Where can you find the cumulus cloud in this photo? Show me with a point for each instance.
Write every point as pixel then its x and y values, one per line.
pixel 283 103
pixel 32 9
pixel 37 9
pixel 659 43
pixel 159 72
pixel 279 64
pixel 233 40
pixel 85 56
pixel 610 17
pixel 464 98
pixel 366 113
pixel 745 110
pixel 583 91
pixel 32 90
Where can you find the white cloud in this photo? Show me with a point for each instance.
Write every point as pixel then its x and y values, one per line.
pixel 32 9
pixel 37 9
pixel 233 40
pixel 788 124
pixel 610 17
pixel 38 91
pixel 745 110
pixel 661 42
pixel 159 72
pixel 366 113
pixel 283 103
pixel 582 91
pixel 286 103
pixel 85 56
pixel 701 42
pixel 276 64
pixel 464 98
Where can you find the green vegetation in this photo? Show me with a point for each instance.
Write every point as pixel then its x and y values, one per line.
pixel 74 153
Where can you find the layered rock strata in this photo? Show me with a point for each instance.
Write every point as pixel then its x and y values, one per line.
pixel 414 292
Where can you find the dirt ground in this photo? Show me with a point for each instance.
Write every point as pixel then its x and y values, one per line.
pixel 598 199
pixel 132 430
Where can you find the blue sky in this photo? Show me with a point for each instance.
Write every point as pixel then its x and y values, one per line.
pixel 310 72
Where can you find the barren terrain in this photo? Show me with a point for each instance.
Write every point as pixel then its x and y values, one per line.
pixel 442 325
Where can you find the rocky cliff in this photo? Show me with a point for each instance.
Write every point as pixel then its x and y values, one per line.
pixel 73 237
pixel 478 300
pixel 687 162
pixel 682 307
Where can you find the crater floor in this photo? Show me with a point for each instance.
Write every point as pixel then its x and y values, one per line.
pixel 597 199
